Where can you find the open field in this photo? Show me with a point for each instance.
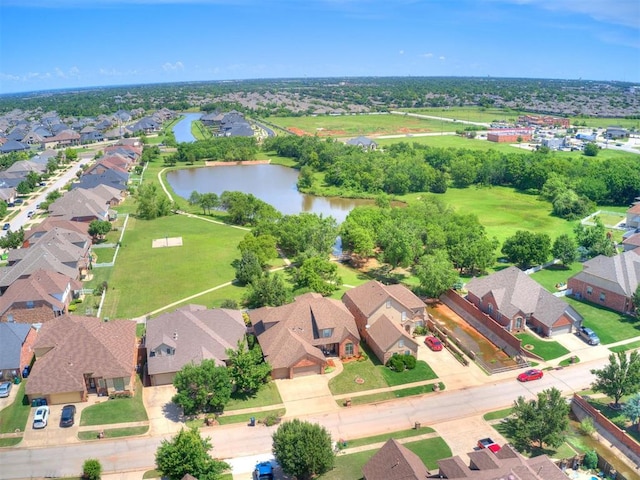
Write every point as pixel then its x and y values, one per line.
pixel 451 141
pixel 470 114
pixel 354 125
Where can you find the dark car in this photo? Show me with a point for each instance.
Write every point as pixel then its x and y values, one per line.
pixel 6 226
pixel 68 415
pixel 533 374
pixel 433 343
pixel 18 201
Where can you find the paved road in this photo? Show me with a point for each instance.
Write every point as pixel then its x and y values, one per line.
pixel 236 441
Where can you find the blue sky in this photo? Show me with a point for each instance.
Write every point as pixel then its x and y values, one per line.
pixel 51 44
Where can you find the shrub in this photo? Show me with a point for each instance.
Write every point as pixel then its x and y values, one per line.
pixel 420 330
pixel 72 307
pixel 590 460
pixel 396 363
pixel 586 426
pixel 409 362
pixel 271 420
pixel 91 469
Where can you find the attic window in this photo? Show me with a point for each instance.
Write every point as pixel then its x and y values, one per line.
pixel 171 351
pixel 388 303
pixel 30 304
pixel 327 332
pixel 152 353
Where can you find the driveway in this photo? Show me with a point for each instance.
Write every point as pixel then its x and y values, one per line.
pixel 165 417
pixel 580 348
pixel 6 401
pixel 53 434
pixel 306 394
pixel 462 435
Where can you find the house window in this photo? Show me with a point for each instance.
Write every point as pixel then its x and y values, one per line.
pixel 30 304
pixel 407 352
pixel 490 309
pixel 518 322
pixel 388 303
pixel 348 349
pixel 404 316
pixel 118 384
pixel 602 296
pixel 10 318
pixel 327 332
pixel 152 353
pixel 400 343
pixel 589 290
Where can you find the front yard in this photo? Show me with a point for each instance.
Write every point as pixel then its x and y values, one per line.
pixel 610 326
pixel 118 410
pixel 14 417
pixel 547 349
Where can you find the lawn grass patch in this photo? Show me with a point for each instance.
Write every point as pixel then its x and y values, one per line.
pixel 563 451
pixel 555 274
pixel 245 417
pixel 117 410
pixel 152 474
pixel 199 264
pixel 430 450
pixel 498 414
pixel 470 114
pixel 14 417
pixel 359 442
pixel 569 361
pixel 113 432
pixel 452 141
pixel 616 416
pixel 547 349
pixel 10 442
pixel 365 369
pixel 267 395
pixel 628 346
pixel 422 372
pixel 610 326
pixel 104 255
pixel 349 466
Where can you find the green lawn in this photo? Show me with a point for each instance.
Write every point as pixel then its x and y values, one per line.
pixel 120 410
pixel 498 414
pixel 629 346
pixel 470 114
pixel 452 141
pixel 104 255
pixel 383 396
pixel 549 277
pixel 430 451
pixel 146 278
pixel 547 349
pixel 418 374
pixel 563 451
pixel 14 417
pixel 113 433
pixel 616 416
pixel 245 417
pixel 610 326
pixel 267 395
pixel 359 442
pixel 354 125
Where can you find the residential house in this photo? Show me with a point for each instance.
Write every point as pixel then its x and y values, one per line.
pixel 25 167
pixel 630 242
pixel 394 461
pixel 609 281
pixel 16 349
pixel 110 178
pixel 80 205
pixel 506 463
pixel 13 146
pixel 49 223
pixel 362 142
pixel 8 194
pixel 78 355
pixel 64 138
pixel 515 301
pixel 38 298
pixel 37 260
pixel 297 338
pixel 633 216
pixel 189 335
pixel 386 316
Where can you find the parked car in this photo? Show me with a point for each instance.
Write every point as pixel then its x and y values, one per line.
pixel 41 417
pixel 18 201
pixel 489 444
pixel 5 389
pixel 433 343
pixel 68 415
pixel 6 226
pixel 30 213
pixel 533 374
pixel 588 336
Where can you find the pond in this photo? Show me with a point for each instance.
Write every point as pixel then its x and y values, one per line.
pixel 274 184
pixel 182 129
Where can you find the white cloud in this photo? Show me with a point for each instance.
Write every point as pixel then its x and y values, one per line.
pixel 8 76
pixel 172 67
pixel 401 52
pixel 441 57
pixel 427 55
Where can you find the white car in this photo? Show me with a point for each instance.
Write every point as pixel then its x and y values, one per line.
pixel 40 417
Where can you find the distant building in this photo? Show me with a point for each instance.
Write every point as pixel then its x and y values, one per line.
pixel 554 143
pixel 586 137
pixel 616 132
pixel 362 142
pixel 544 121
pixel 510 135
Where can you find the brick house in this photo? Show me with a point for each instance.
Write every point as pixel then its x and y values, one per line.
pixel 78 355
pixel 398 312
pixel 297 338
pixel 16 349
pixel 394 461
pixel 609 281
pixel 516 301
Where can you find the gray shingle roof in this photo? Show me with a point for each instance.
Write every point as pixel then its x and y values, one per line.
pixel 12 336
pixel 619 274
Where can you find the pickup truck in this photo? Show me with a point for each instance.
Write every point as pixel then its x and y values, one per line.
pixel 488 443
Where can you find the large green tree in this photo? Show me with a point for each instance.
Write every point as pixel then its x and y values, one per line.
pixel 263 246
pixel 631 410
pixel 317 274
pixel 247 267
pixel 620 377
pixel 99 228
pixel 12 239
pixel 267 290
pixel 635 298
pixel 594 239
pixel 202 388
pixel 526 249
pixel 247 368
pixel 436 273
pixel 565 249
pixel 303 449
pixel 540 421
pixel 151 202
pixel 188 453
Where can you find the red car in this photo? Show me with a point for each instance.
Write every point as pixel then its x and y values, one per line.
pixel 533 374
pixel 433 343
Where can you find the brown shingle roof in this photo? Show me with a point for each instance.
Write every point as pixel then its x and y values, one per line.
pixel 81 345
pixel 384 332
pixel 371 295
pixel 196 333
pixel 394 461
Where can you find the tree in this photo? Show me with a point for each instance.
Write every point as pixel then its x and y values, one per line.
pixel 247 368
pixel 591 149
pixel 436 273
pixel 91 469
pixel 526 248
pixel 632 410
pixel 202 388
pixel 540 421
pixel 70 154
pixel 635 298
pixel 303 449
pixel 620 377
pixel 151 202
pixel 247 267
pixel 12 239
pixel 565 249
pixel 99 228
pixel 594 239
pixel 317 274
pixel 267 290
pixel 263 246
pixel 188 453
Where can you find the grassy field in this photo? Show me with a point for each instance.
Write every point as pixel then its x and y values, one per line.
pixel 549 277
pixel 147 278
pixel 610 326
pixel 547 349
pixel 267 395
pixel 451 141
pixel 503 211
pixel 359 442
pixel 470 114
pixel 120 410
pixel 14 417
pixel 383 396
pixel 354 125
